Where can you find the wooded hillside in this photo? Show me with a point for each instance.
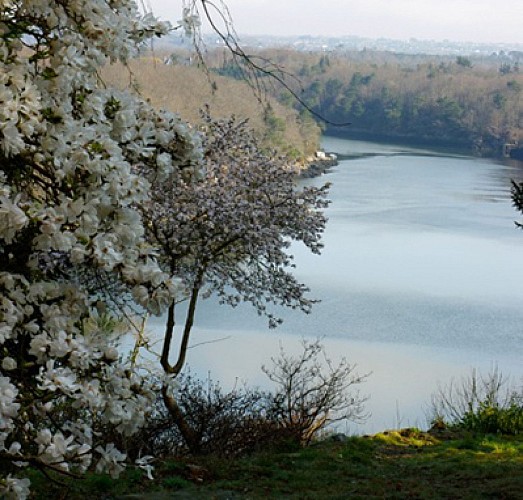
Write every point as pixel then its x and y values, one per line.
pixel 474 104
pixel 184 88
pixel 454 101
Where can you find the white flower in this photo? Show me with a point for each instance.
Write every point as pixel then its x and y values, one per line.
pixel 90 394
pixel 111 353
pixel 111 460
pixel 12 142
pixel 140 294
pixel 78 254
pixel 12 218
pixel 61 379
pixel 39 345
pixel 15 448
pixel 189 22
pixel 43 439
pixel 8 405
pixel 60 345
pixel 8 364
pixel 106 252
pixel 165 162
pixel 5 332
pixel 144 463
pixel 15 488
pixel 57 450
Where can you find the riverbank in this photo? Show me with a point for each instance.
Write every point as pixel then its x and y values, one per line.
pixel 406 463
pixel 317 167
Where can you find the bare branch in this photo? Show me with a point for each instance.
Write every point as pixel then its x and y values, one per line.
pixel 251 67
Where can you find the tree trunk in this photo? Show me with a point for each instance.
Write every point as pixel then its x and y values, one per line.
pixel 190 436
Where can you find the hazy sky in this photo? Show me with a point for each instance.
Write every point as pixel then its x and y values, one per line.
pixel 457 20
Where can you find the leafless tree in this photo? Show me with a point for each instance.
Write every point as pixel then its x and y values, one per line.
pixel 312 391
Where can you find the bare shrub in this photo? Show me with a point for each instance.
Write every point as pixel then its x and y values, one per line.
pixel 312 392
pixel 480 403
pixel 225 423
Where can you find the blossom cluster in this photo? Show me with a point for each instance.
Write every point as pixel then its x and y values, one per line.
pixel 229 232
pixel 77 160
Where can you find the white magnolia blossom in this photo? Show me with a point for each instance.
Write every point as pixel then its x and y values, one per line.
pixel 190 21
pixel 8 405
pixel 14 488
pixel 9 363
pixel 12 218
pixel 145 463
pixel 111 460
pixel 77 161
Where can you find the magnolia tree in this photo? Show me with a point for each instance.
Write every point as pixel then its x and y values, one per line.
pixel 72 155
pixel 100 193
pixel 229 232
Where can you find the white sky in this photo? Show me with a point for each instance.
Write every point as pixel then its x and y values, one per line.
pixel 456 20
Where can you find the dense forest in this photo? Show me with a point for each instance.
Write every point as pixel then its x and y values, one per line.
pixel 465 102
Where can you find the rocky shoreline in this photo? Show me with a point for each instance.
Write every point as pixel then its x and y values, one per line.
pixel 317 167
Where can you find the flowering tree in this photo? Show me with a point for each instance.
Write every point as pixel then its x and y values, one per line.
pixel 229 232
pixel 101 192
pixel 71 155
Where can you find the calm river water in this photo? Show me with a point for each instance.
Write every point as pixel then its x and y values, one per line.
pixel 421 280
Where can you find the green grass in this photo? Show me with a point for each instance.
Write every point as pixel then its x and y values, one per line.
pixel 396 464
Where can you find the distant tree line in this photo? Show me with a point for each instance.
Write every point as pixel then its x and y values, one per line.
pixel 462 102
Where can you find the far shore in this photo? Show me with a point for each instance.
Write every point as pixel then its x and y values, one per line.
pixel 434 144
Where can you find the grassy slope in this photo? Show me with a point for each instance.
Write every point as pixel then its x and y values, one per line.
pixel 404 464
